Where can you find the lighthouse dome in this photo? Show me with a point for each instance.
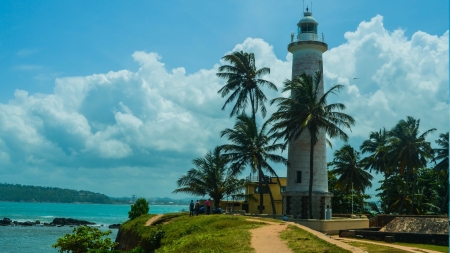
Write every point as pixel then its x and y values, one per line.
pixel 307 18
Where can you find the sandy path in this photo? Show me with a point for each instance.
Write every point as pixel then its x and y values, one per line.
pixel 151 220
pixel 267 239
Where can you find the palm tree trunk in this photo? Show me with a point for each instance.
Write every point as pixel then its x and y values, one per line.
pixel 404 192
pixel 311 177
pixel 413 193
pixel 445 200
pixel 274 210
pixel 261 201
pixel 385 206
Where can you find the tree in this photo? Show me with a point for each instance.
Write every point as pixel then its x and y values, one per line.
pixel 251 146
pixel 376 146
pixel 347 165
pixel 84 239
pixel 244 82
pixel 306 109
pixel 442 166
pixel 139 208
pixel 210 177
pixel 409 151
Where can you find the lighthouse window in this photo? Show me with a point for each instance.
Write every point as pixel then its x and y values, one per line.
pixel 307 28
pixel 299 176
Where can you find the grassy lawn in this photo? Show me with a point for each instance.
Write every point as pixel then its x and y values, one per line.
pixel 301 241
pixel 362 244
pixel 207 234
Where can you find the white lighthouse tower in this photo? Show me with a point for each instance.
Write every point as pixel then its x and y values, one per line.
pixel 307 47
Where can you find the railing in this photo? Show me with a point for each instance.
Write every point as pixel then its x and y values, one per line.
pixel 307 36
pixel 255 178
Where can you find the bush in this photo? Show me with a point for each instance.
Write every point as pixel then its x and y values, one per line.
pixel 85 239
pixel 139 208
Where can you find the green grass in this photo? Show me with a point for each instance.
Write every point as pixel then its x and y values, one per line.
pixel 376 248
pixel 372 248
pixel 207 234
pixel 301 241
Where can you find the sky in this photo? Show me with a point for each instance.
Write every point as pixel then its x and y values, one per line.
pixel 119 97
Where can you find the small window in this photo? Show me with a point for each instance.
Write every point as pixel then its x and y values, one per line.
pixel 265 190
pixel 282 189
pixel 299 176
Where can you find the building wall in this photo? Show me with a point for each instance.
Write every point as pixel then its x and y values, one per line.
pixel 276 193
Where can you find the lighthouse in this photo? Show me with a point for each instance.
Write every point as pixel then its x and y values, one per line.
pixel 307 47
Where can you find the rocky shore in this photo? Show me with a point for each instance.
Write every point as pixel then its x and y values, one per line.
pixel 57 222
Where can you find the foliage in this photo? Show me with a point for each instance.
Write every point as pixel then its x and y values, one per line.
pixel 251 146
pixel 306 109
pixel 297 239
pixel 341 202
pixel 211 176
pixel 139 208
pixel 26 193
pixel 84 239
pixel 244 82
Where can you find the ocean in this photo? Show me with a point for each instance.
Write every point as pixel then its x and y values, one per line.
pixel 18 239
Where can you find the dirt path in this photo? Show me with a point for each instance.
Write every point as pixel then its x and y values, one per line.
pixel 151 220
pixel 267 239
pixel 405 248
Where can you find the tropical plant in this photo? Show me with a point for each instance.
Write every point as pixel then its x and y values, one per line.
pixel 244 82
pixel 84 239
pixel 139 208
pixel 442 166
pixel 306 109
pixel 210 177
pixel 408 151
pixel 352 177
pixel 251 146
pixel 376 146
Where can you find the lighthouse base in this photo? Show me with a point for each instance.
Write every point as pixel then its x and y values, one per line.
pixel 296 204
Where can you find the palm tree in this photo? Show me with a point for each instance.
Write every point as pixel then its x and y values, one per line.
pixel 376 145
pixel 307 109
pixel 442 166
pixel 210 177
pixel 347 164
pixel 253 147
pixel 409 151
pixel 244 82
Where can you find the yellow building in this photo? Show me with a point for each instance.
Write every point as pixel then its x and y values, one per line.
pixel 251 202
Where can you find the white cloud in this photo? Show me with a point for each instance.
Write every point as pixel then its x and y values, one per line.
pixel 124 129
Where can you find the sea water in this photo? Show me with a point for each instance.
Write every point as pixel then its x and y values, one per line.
pixel 18 239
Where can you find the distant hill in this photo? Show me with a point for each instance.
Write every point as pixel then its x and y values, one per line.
pixel 28 193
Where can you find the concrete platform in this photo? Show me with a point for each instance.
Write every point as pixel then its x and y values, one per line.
pixel 332 227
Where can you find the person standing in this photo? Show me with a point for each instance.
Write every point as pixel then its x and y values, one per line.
pixel 197 207
pixel 208 206
pixel 191 208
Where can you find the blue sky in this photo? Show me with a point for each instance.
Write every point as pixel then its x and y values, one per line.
pixel 119 97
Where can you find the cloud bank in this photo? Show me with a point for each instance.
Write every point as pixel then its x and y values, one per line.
pixel 136 132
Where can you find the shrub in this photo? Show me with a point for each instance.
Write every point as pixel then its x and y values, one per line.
pixel 84 239
pixel 139 208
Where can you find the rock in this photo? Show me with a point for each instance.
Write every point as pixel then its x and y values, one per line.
pixel 70 221
pixel 6 222
pixel 114 226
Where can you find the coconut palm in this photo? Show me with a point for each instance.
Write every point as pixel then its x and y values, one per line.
pixel 251 146
pixel 306 109
pixel 376 146
pixel 352 177
pixel 442 166
pixel 244 82
pixel 210 177
pixel 409 151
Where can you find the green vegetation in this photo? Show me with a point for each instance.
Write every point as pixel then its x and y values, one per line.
pixel 205 233
pixel 85 239
pixel 210 177
pixel 251 146
pixel 301 241
pixel 139 208
pixel 370 247
pixel 28 193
